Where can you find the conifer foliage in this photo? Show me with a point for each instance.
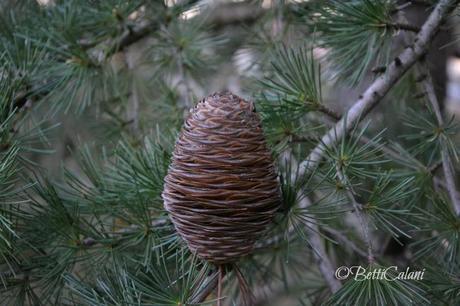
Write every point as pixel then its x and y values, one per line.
pixel 340 154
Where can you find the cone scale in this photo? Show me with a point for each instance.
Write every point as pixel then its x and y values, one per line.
pixel 221 190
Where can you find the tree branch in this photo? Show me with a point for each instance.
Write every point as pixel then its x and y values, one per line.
pixel 380 87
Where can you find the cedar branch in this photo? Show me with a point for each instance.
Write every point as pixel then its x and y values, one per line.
pixel 382 85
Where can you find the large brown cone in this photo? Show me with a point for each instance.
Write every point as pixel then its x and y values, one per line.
pixel 221 190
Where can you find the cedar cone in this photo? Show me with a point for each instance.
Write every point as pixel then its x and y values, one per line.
pixel 221 190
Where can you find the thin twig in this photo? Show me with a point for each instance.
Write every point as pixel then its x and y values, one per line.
pixel 345 241
pixel 379 69
pixel 404 26
pixel 329 112
pixel 401 7
pixel 210 285
pixel 364 139
pixel 314 239
pixel 380 87
pixel 447 165
pixel 131 36
pixel 319 252
pixel 134 103
pixel 184 80
pixel 435 166
pixel 275 240
pixel 358 208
